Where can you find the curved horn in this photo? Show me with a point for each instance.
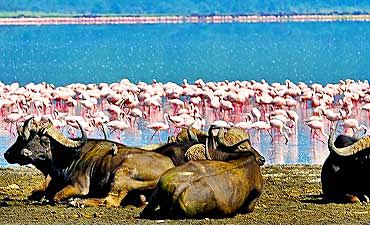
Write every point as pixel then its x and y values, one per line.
pixel 105 131
pixel 26 128
pixel 191 135
pixel 359 145
pixel 208 156
pixel 59 137
pixel 221 137
pixel 210 138
pixel 221 140
pixel 237 144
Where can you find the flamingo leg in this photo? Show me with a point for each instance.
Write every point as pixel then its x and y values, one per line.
pixel 159 137
pixel 151 139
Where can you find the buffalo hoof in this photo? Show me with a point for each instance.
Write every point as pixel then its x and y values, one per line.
pixel 76 202
pixel 143 200
pixel 36 196
pixel 364 198
pixel 351 199
pixel 367 199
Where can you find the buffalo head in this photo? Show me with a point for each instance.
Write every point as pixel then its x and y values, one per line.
pixel 347 146
pixel 35 141
pixel 220 150
pixel 342 174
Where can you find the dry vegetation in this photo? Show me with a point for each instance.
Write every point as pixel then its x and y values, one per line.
pixel 291 196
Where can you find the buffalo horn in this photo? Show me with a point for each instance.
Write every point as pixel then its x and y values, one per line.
pixel 208 156
pixel 59 137
pixel 211 139
pixel 191 135
pixel 26 128
pixel 221 140
pixel 359 145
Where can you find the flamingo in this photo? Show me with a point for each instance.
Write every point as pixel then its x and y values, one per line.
pixel 221 123
pixel 352 123
pixel 316 125
pixel 157 127
pixel 280 125
pixel 118 125
pixel 366 107
pixel 332 116
pixel 261 125
pixel 256 113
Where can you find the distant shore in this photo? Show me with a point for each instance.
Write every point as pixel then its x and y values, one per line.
pixel 96 20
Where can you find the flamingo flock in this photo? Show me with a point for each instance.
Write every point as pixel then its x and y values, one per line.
pixel 278 109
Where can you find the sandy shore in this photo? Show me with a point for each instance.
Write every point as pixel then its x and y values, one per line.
pixel 291 196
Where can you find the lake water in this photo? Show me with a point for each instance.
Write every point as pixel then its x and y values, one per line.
pixel 308 52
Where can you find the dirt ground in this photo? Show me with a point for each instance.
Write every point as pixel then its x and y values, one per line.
pixel 291 196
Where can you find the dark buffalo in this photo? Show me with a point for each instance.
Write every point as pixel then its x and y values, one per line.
pixel 233 140
pixel 101 171
pixel 176 150
pixel 209 188
pixel 343 172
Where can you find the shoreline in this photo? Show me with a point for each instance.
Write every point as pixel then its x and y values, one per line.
pixel 100 20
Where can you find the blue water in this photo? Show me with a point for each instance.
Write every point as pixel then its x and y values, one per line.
pixel 187 6
pixel 62 54
pixel 308 52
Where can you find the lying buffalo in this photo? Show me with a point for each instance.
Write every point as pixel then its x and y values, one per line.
pixel 208 187
pixel 343 174
pixel 176 150
pixel 180 150
pixel 100 171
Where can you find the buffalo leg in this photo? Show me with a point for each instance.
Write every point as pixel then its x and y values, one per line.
pixel 117 193
pixel 39 192
pixel 251 201
pixel 67 192
pixel 122 184
pixel 149 210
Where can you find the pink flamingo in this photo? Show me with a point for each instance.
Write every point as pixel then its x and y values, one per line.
pixel 157 127
pixel 353 124
pixel 118 125
pixel 366 107
pixel 332 116
pixel 280 125
pixel 261 125
pixel 245 124
pixel 256 113
pixel 315 126
pixel 136 113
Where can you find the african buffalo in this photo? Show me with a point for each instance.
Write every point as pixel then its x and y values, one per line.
pixel 208 187
pixel 101 171
pixel 343 174
pixel 176 150
pixel 181 150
